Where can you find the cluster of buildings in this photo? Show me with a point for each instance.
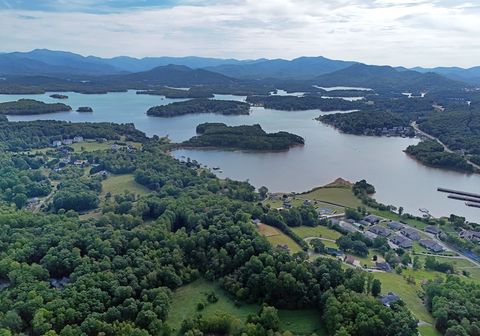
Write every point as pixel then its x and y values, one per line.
pixel 59 143
pixel 402 131
pixel 470 235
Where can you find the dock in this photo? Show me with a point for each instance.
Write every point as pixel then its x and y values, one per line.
pixel 456 192
pixel 466 199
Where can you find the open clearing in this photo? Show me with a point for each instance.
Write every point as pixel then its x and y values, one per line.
pixel 277 237
pixel 118 184
pixel 317 231
pixel 186 298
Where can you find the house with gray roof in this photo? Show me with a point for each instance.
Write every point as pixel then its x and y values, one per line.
pixel 433 230
pixel 380 230
pixel 372 219
pixel 397 226
pixel 401 241
pixel 431 245
pixel 470 235
pixel 410 233
pixel 388 299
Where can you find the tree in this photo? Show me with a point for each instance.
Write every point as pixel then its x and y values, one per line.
pixel 376 287
pixel 417 263
pixel 318 245
pixel 263 191
pixel 20 200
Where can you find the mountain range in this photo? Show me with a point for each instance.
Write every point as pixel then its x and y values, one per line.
pixel 44 66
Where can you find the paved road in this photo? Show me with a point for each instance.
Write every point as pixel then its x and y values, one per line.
pixel 445 147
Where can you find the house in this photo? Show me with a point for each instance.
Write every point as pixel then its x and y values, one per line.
pixel 401 241
pixel 67 141
pixel 470 235
pixel 283 247
pixel 370 235
pixel 347 226
pixel 256 221
pixel 410 233
pixel 383 266
pixel 325 212
pixel 56 143
pixel 81 163
pixel 334 252
pixel 388 299
pixel 432 229
pixel 117 147
pixel 364 223
pixel 372 219
pixel 351 260
pixel 379 230
pixel 431 245
pixel 78 139
pixel 397 226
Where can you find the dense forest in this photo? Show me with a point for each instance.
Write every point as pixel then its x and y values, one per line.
pixel 245 137
pixel 309 102
pixel 458 128
pixel 455 304
pixel 363 122
pixel 30 106
pixel 226 107
pixel 64 275
pixel 431 153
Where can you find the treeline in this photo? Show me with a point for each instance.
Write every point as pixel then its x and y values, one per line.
pixel 309 102
pixel 26 135
pixel 363 122
pixel 30 106
pixel 431 153
pixel 455 305
pixel 218 135
pixel 226 107
pixel 194 92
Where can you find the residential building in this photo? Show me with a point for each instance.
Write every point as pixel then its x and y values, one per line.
pixel 470 235
pixel 397 226
pixel 401 241
pixel 380 230
pixel 372 219
pixel 334 252
pixel 78 139
pixel 431 245
pixel 388 299
pixel 410 233
pixel 370 235
pixel 67 141
pixel 383 266
pixel 56 143
pixel 432 229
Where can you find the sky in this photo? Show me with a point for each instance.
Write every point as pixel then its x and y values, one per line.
pixel 407 33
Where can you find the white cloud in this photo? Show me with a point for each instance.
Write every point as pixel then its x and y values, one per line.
pixel 409 33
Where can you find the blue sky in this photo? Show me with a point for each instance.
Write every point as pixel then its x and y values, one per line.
pixel 395 32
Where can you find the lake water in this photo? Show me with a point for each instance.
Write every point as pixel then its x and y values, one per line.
pixel 327 154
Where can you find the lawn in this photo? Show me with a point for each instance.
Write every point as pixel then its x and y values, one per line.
pixel 339 195
pixel 392 282
pixel 91 146
pixel 118 184
pixel 317 231
pixel 186 298
pixel 277 237
pixel 428 330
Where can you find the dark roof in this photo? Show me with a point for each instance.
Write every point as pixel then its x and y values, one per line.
pixel 379 230
pixel 401 241
pixel 431 245
pixel 395 225
pixel 334 251
pixel 372 219
pixel 388 299
pixel 432 229
pixel 384 266
pixel 410 233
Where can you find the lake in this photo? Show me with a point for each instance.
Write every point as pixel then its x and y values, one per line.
pixel 327 154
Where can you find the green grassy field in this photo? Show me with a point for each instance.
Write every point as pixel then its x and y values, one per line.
pixel 186 298
pixel 317 231
pixel 277 237
pixel 392 282
pixel 428 330
pixel 91 146
pixel 118 184
pixel 339 195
